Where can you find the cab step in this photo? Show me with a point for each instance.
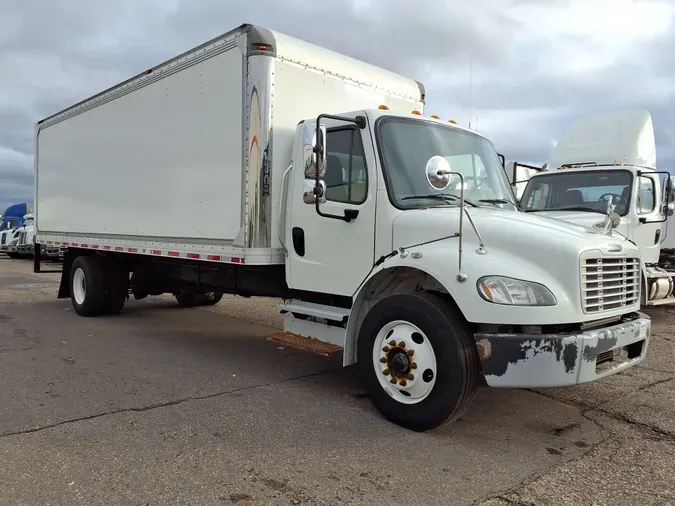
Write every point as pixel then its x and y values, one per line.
pixel 310 335
pixel 316 310
pixel 304 343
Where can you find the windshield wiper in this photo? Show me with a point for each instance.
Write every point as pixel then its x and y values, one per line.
pixel 578 208
pixel 496 201
pixel 571 208
pixel 439 196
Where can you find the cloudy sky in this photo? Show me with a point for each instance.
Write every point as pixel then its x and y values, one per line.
pixel 536 64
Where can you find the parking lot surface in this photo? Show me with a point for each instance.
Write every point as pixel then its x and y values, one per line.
pixel 162 405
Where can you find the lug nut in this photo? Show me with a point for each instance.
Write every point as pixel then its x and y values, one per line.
pixel 411 377
pixel 403 383
pixel 383 360
pixel 413 365
pixel 392 343
pixel 392 381
pixel 386 372
pixel 402 344
pixel 385 349
pixel 410 353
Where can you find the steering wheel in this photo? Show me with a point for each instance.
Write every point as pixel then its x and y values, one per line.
pixel 617 200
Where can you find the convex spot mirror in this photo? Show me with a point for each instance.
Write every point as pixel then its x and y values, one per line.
pixel 438 172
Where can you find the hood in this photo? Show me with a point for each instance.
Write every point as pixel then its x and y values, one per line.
pixel 529 234
pixel 593 221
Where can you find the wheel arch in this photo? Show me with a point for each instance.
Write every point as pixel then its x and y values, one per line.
pixel 388 281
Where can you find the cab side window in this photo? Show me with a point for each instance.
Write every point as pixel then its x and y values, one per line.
pixel 647 195
pixel 346 171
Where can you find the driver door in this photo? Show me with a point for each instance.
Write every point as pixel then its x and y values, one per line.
pixel 649 217
pixel 330 255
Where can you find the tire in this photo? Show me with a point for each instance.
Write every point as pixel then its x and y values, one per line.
pixel 88 286
pixel 117 287
pixel 421 321
pixel 186 299
pixel 210 298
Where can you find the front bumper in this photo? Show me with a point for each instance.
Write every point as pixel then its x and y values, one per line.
pixel 25 249
pixel 552 360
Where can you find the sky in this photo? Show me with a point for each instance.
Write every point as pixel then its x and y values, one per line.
pixel 535 64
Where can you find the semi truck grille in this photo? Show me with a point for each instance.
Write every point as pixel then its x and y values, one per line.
pixel 609 283
pixel 22 238
pixel 2 238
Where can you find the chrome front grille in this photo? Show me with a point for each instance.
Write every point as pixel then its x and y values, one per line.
pixel 22 238
pixel 609 283
pixel 3 237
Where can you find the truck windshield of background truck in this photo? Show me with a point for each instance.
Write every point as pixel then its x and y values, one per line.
pixel 579 191
pixel 405 147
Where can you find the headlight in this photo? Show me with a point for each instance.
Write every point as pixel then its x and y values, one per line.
pixel 516 292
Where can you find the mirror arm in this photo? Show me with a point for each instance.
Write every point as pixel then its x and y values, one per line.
pixel 359 121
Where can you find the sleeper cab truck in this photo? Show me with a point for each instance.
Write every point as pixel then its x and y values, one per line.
pixel 606 164
pixel 313 177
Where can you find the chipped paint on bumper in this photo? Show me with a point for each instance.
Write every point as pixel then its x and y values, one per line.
pixel 551 360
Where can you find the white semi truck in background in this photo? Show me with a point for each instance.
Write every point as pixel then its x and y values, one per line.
pixel 606 162
pixel 314 177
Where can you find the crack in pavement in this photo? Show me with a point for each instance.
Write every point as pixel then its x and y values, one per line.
pixel 653 432
pixel 653 384
pixel 648 431
pixel 158 405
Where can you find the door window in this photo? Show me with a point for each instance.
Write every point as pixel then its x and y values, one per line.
pixel 346 172
pixel 647 196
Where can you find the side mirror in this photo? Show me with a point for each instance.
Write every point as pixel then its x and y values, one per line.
pixel 315 151
pixel 318 145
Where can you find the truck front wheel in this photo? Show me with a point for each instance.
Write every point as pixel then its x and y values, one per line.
pixel 87 286
pixel 418 360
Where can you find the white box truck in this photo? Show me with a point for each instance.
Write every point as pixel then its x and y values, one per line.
pixel 260 165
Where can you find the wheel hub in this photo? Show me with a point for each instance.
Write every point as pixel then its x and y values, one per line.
pixel 404 361
pixel 398 362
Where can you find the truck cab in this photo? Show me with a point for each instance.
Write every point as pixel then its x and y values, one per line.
pixel 9 228
pixel 407 214
pixel 24 246
pixel 603 176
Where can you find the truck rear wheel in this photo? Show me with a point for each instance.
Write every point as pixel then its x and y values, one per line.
pixel 87 286
pixel 117 287
pixel 210 298
pixel 186 299
pixel 418 360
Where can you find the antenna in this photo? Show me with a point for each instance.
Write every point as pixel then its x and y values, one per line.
pixel 470 86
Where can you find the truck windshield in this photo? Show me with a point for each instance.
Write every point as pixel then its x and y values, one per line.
pixel 407 144
pixel 578 191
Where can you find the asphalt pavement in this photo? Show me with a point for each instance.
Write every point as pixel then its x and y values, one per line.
pixel 162 405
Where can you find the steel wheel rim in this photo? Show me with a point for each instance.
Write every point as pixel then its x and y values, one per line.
pixel 79 286
pixel 397 342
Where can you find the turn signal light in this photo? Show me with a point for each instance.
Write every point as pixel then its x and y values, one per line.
pixel 384 107
pixel 417 112
pixel 435 117
pixel 452 121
